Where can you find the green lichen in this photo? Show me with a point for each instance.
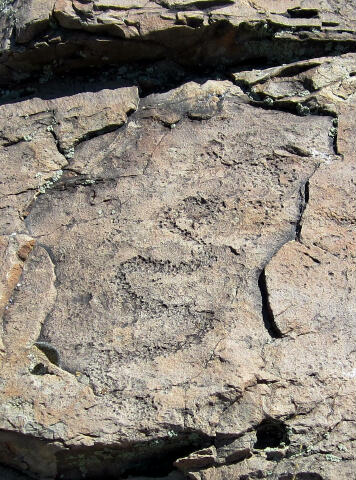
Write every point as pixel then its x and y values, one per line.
pixel 333 132
pixel 302 110
pixel 268 101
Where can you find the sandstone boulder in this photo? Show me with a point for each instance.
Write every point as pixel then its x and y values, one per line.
pixel 178 258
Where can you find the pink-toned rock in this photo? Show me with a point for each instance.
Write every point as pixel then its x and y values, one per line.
pixel 177 271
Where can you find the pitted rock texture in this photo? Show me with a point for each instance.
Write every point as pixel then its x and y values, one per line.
pixel 178 269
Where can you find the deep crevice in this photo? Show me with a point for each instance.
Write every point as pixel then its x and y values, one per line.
pixel 50 351
pixel 271 433
pixel 9 473
pixel 150 458
pixel 304 199
pixel 208 5
pixel 267 313
pixel 303 12
pixel 153 458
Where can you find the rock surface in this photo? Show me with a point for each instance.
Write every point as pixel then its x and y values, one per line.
pixel 177 247
pixel 43 38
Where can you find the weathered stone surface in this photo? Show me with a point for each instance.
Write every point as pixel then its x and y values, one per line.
pixel 323 85
pixel 177 270
pixel 63 35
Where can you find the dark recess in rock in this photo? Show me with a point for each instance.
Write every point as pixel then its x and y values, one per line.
pixel 148 459
pixel 50 351
pixel 267 313
pixel 271 433
pixel 304 195
pixel 39 369
pixel 303 13
pixel 301 476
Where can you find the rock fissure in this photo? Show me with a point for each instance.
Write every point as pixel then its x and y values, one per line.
pixel 304 199
pixel 267 312
pixel 155 458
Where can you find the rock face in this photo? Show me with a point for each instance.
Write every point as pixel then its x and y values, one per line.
pixel 178 246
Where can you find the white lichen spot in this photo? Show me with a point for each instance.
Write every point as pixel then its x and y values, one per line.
pixel 69 153
pixel 342 447
pixel 304 93
pixel 332 458
pixel 133 124
pixel 327 158
pixel 50 182
pixel 57 175
pixel 28 137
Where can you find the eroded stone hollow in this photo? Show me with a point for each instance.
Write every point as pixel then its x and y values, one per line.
pixel 271 433
pixel 177 240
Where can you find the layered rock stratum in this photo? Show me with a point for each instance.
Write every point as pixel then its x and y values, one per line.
pixel 177 283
